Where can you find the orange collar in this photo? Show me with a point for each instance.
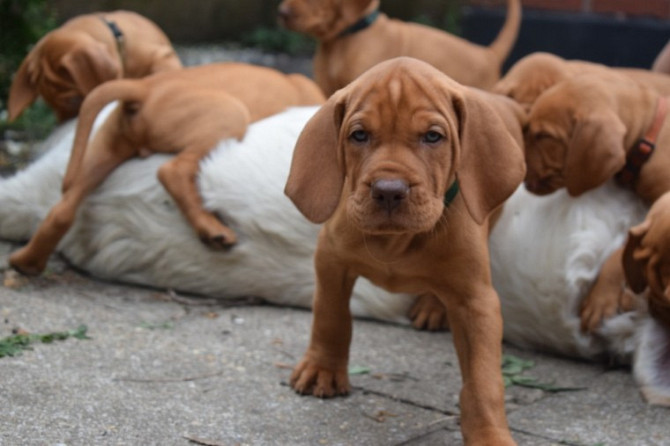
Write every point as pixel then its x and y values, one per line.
pixel 643 149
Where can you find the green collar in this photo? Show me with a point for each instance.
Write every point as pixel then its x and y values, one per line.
pixel 451 193
pixel 361 24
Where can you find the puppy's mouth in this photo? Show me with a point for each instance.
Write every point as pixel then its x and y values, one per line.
pixel 393 206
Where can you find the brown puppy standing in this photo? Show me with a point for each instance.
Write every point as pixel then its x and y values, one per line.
pixel 183 111
pixel 69 62
pixel 354 36
pixel 405 166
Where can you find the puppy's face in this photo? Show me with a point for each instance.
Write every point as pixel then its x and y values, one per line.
pixel 322 19
pixel 573 138
pixel 546 148
pixel 397 141
pixel 392 142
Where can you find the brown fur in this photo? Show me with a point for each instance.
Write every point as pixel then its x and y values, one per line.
pixel 580 130
pixel 69 62
pixel 374 163
pixel 646 259
pixel 531 75
pixel 662 62
pixel 340 59
pixel 184 111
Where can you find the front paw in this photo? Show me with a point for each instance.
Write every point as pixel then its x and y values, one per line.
pixel 26 263
pixel 310 378
pixel 598 307
pixel 428 313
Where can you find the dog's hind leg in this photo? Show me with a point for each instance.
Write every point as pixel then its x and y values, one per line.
pixel 96 166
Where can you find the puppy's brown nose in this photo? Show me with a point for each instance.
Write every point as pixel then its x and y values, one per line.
pixel 388 194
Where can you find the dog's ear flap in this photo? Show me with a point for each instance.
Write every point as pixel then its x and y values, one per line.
pixel 635 258
pixel 491 164
pixel 90 65
pixel 316 177
pixel 596 152
pixel 352 9
pixel 23 90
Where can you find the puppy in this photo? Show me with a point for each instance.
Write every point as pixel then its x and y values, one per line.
pixel 531 75
pixel 184 111
pixel 405 166
pixel 646 264
pixel 590 128
pixel 69 62
pixel 354 36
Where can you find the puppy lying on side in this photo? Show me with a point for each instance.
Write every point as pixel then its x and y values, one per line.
pixel 129 230
pixel 646 262
pixel 183 111
pixel 531 75
pixel 405 166
pixel 354 36
pixel 69 62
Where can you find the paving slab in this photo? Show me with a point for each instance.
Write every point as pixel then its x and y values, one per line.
pixel 165 369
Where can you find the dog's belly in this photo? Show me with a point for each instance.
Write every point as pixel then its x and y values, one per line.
pixel 545 254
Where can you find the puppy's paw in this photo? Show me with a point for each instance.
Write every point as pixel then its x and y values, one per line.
pixel 25 263
pixel 309 378
pixel 596 307
pixel 219 237
pixel 428 313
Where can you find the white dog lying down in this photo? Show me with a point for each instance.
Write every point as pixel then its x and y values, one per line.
pixel 545 251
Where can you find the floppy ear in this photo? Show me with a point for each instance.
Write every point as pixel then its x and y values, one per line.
pixel 596 152
pixel 635 258
pixel 352 9
pixel 90 65
pixel 316 177
pixel 491 163
pixel 23 91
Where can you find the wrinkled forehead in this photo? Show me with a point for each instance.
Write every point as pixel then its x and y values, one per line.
pixel 399 93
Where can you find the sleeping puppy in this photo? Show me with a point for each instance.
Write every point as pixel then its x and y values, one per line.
pixel 531 75
pixel 405 166
pixel 354 36
pixel 590 128
pixel 69 62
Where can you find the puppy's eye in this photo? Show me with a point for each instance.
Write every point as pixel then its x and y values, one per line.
pixel 432 137
pixel 360 136
pixel 542 135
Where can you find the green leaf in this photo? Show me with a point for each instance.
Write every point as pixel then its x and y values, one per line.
pixel 15 344
pixel 359 370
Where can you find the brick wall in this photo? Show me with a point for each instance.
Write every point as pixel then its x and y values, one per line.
pixel 623 8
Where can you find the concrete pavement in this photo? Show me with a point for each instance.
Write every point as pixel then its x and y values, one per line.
pixel 163 369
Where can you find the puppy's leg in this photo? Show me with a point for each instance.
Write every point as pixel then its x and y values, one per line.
pixel 608 296
pixel 178 176
pixel 428 313
pixel 322 371
pixel 96 166
pixel 476 325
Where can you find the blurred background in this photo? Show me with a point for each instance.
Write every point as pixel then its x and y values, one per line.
pixel 613 32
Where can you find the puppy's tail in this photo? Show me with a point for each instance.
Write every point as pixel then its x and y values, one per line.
pixel 506 38
pixel 124 90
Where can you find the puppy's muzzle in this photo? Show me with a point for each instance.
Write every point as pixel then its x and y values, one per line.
pixel 389 194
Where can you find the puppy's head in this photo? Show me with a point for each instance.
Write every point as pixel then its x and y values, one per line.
pixel 393 142
pixel 573 138
pixel 530 76
pixel 646 258
pixel 62 68
pixel 323 19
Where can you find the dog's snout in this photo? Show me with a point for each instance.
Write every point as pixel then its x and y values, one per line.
pixel 389 193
